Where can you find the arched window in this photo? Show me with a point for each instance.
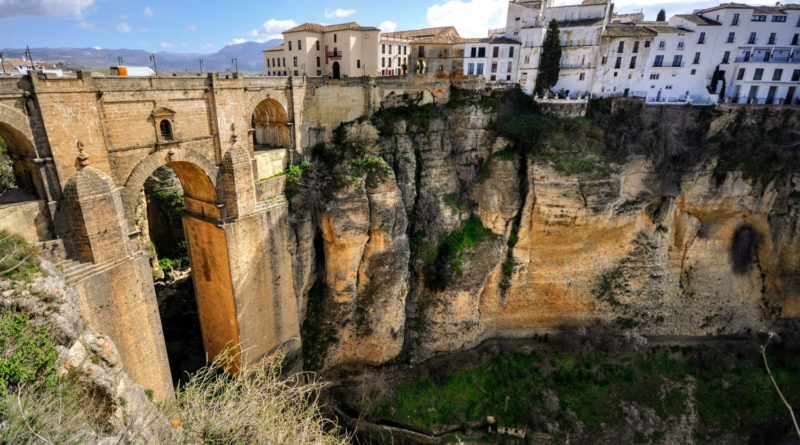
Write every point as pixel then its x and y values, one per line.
pixel 166 130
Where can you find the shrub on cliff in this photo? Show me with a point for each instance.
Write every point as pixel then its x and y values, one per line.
pixel 257 406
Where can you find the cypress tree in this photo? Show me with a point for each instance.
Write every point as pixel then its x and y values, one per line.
pixel 662 16
pixel 550 59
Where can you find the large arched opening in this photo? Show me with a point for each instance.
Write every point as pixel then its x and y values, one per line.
pixel 178 216
pixel 20 179
pixel 270 125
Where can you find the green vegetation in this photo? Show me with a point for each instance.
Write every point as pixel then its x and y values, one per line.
pixel 550 60
pixel 28 356
pixel 416 115
pixel 732 392
pixel 662 15
pixel 489 101
pixel 7 179
pixel 443 263
pixel 456 202
pixel 293 173
pixel 18 259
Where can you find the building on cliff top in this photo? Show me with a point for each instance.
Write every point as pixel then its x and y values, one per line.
pixel 335 51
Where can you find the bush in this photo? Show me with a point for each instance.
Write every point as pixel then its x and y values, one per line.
pixel 27 355
pixel 18 259
pixel 257 406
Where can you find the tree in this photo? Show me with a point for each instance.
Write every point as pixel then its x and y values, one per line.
pixel 662 16
pixel 550 60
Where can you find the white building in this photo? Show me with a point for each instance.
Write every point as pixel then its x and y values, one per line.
pixel 495 58
pixel 624 52
pixel 755 48
pixel 394 51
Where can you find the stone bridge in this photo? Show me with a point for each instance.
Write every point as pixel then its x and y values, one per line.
pixel 85 147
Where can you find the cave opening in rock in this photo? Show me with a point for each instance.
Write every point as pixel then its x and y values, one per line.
pixel 172 273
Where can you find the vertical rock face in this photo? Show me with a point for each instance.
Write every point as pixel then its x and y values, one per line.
pixel 704 254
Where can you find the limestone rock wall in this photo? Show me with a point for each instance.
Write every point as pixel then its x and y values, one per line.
pixel 707 255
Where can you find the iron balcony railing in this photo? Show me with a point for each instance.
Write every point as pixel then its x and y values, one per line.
pixel 335 54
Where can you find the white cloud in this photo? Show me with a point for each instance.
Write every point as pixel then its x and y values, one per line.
pixel 472 18
pixel 191 28
pixel 148 12
pixel 84 25
pixel 144 29
pixel 97 47
pixel 238 41
pixel 208 45
pixel 167 44
pixel 339 13
pixel 49 8
pixel 123 28
pixel 271 29
pixel 388 26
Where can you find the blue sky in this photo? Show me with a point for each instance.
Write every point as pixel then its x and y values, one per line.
pixel 207 26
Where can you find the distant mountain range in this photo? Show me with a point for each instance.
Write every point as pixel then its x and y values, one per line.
pixel 249 55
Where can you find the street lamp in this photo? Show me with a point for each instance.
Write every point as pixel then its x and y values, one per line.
pixel 235 61
pixel 201 66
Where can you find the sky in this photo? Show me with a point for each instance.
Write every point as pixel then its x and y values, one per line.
pixel 205 26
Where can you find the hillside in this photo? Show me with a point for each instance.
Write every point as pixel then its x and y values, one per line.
pixel 249 54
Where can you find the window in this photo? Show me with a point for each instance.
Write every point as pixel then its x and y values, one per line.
pixel 677 60
pixel 510 65
pixel 758 74
pixel 317 45
pixel 510 51
pixel 731 37
pixel 405 50
pixel 268 66
pixel 696 58
pixel 654 77
pixel 493 78
pixel 603 60
pixel 358 63
pixel 318 62
pixel 335 40
pixel 795 75
pixel 726 56
pixel 759 18
pixel 633 63
pixel 296 73
pixel 735 19
pixel 668 87
pixel 693 72
pixel 798 21
pixel 299 45
pixel 388 62
pixel 662 44
pixel 702 39
pixel 390 49
pixel 582 76
pixel 383 48
pixel 771 38
pixel 383 62
pixel 319 72
pixel 166 130
pixel 481 52
pixel 496 51
pixel 618 63
pixel 752 39
pixel 659 61
pixel 777 74
pixel 647 44
pixel 471 68
pixel 295 62
pixel 494 67
pixel 421 51
pixel 680 44
pixel 290 46
pixel 794 39
pixel 479 69
pixel 747 56
pixel 508 77
pixel 473 52
pixel 779 18
pixel 636 47
pixel 621 47
pixel 740 76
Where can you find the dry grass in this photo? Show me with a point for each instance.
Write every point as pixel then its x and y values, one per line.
pixel 258 406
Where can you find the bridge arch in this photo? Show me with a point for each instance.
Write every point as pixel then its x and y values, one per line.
pixel 270 124
pixel 16 132
pixel 205 238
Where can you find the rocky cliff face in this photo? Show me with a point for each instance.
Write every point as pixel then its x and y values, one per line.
pixel 464 240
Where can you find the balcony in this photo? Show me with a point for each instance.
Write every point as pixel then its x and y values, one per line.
pixel 335 55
